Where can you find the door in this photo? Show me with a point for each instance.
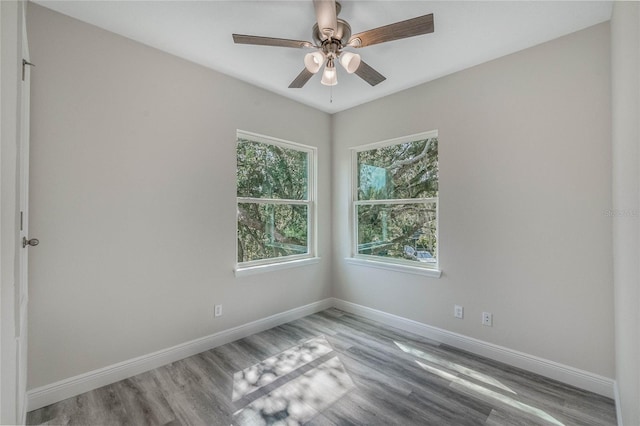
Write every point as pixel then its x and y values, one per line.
pixel 22 287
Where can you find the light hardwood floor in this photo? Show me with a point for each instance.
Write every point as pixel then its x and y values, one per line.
pixel 333 368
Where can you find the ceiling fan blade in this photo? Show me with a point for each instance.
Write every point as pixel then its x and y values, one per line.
pixel 403 29
pixel 326 17
pixel 301 79
pixel 369 75
pixel 269 41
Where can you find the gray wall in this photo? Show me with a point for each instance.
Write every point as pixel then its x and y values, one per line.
pixel 133 199
pixel 525 180
pixel 132 194
pixel 625 108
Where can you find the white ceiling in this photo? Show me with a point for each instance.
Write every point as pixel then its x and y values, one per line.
pixel 466 34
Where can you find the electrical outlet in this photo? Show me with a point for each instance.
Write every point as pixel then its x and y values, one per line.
pixel 217 311
pixel 458 311
pixel 487 319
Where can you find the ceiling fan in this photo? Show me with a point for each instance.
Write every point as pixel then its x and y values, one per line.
pixel 332 35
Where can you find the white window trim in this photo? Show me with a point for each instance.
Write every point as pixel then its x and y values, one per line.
pixel 399 265
pixel 264 265
pixel 269 267
pixel 390 265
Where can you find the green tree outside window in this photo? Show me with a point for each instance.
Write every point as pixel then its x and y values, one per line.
pixel 274 203
pixel 395 200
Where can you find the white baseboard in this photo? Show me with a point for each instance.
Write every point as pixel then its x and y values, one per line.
pixel 616 398
pixel 563 373
pixel 54 392
pixel 67 388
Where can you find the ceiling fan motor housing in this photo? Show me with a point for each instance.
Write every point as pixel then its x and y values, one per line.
pixel 339 38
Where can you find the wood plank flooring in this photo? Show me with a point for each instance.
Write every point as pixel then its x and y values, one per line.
pixel 333 368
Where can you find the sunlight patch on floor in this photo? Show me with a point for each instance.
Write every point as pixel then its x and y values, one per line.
pixel 492 394
pixel 300 399
pixel 261 374
pixel 455 367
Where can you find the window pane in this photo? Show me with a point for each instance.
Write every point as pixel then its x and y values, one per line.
pixel 400 231
pixel 406 170
pixel 270 171
pixel 271 230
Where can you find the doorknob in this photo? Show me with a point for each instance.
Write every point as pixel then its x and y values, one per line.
pixel 32 242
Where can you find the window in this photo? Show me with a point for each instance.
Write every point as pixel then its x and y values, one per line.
pixel 395 201
pixel 275 200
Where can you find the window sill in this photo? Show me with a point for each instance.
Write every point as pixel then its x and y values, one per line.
pixel 434 273
pixel 258 269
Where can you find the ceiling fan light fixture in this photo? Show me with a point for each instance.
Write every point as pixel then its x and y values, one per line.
pixel 350 61
pixel 329 76
pixel 313 61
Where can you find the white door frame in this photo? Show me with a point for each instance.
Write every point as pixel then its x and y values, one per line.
pixel 13 358
pixel 22 287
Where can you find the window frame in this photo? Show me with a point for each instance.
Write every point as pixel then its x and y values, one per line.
pixel 291 260
pixel 379 261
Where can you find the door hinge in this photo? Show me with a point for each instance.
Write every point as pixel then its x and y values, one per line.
pixel 24 64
